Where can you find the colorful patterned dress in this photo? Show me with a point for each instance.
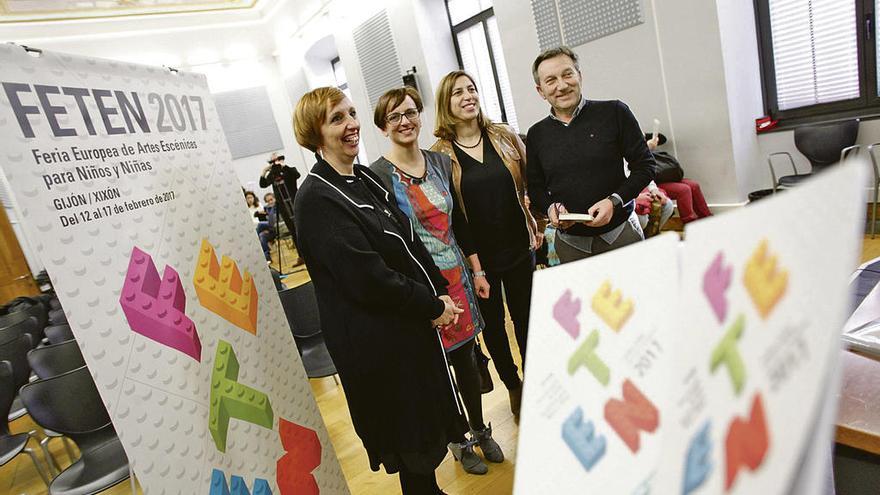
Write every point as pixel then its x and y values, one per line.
pixel 428 202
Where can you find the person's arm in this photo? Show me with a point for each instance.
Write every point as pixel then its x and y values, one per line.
pixel 291 174
pixel 539 195
pixel 264 177
pixel 362 274
pixel 636 152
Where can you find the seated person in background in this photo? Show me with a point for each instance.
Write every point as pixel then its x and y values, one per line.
pixel 670 178
pixel 643 205
pixel 254 206
pixel 266 229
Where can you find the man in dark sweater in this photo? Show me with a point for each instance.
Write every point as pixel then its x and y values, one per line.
pixel 575 162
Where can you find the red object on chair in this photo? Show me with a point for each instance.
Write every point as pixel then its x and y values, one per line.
pixel 764 124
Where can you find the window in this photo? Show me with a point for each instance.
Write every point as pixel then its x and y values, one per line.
pixel 478 47
pixel 818 58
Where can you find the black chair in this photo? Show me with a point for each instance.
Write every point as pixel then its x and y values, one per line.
pixel 29 326
pixel 57 334
pixel 301 307
pixel 69 404
pixel 823 145
pixel 46 362
pixel 57 317
pixel 14 348
pixel 12 445
pixel 56 359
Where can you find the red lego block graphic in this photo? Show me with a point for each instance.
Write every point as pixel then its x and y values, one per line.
pixel 747 442
pixel 294 469
pixel 635 412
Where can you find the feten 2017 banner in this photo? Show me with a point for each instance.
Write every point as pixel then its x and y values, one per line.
pixel 701 368
pixel 126 189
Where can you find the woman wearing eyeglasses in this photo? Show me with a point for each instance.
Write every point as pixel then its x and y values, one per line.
pixel 488 175
pixel 380 298
pixel 420 182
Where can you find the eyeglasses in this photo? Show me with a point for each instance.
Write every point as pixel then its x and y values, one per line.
pixel 411 115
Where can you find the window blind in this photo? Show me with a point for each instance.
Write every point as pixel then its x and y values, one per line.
pixel 815 51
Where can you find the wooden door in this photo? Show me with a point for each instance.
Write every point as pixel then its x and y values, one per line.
pixel 15 276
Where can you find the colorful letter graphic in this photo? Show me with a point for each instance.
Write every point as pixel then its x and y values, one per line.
pixel 747 442
pixel 698 465
pixel 765 281
pixel 611 307
pixel 566 311
pixel 716 280
pixel 635 412
pixel 221 289
pixel 586 356
pixel 239 487
pixel 230 399
pixel 293 472
pixel 155 308
pixel 727 353
pixel 581 438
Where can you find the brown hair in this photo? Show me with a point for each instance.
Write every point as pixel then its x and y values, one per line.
pixel 309 115
pixel 444 126
pixel 554 52
pixel 391 99
pixel 251 193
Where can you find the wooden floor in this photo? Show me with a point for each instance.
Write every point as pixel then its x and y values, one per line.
pixel 19 477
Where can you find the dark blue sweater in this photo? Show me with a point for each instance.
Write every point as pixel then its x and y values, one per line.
pixel 582 163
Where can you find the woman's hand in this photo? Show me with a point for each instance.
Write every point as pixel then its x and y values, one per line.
pixel 481 286
pixel 539 240
pixel 450 313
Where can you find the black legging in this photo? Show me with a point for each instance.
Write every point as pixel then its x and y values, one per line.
pixel 517 284
pixel 416 483
pixel 467 375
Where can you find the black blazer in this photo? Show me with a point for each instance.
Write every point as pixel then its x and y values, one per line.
pixel 377 290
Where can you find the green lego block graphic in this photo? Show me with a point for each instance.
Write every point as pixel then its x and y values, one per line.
pixel 230 399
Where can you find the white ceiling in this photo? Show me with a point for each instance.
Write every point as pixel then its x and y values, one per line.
pixel 43 10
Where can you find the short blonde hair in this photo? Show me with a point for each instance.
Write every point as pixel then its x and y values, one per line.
pixel 309 115
pixel 391 99
pixel 444 126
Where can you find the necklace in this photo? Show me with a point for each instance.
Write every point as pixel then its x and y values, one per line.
pixel 470 147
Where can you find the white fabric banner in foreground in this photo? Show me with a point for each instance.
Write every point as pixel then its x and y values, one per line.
pixel 124 180
pixel 702 368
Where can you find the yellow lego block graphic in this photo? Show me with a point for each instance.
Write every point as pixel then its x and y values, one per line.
pixel 765 281
pixel 221 289
pixel 611 307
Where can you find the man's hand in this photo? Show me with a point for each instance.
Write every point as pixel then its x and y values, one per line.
pixel 481 286
pixel 266 170
pixel 653 143
pixel 553 212
pixel 657 194
pixel 602 212
pixel 450 313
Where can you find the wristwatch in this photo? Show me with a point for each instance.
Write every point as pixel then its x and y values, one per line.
pixel 480 273
pixel 615 200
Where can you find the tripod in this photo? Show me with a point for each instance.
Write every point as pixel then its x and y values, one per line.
pixel 284 210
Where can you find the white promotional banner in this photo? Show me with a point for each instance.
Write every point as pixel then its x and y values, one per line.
pixel 764 295
pixel 598 364
pixel 127 192
pixel 702 368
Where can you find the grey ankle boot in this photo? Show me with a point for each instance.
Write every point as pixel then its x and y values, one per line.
pixel 491 450
pixel 470 461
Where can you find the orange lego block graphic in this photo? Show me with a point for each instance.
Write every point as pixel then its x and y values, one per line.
pixel 221 289
pixel 765 281
pixel 611 307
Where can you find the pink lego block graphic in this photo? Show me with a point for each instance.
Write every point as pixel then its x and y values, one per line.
pixel 716 280
pixel 154 308
pixel 566 311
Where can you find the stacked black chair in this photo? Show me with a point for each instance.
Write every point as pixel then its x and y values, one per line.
pixel 12 445
pixel 301 307
pixel 56 359
pixel 69 403
pixel 14 348
pixel 29 326
pixel 49 361
pixel 57 334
